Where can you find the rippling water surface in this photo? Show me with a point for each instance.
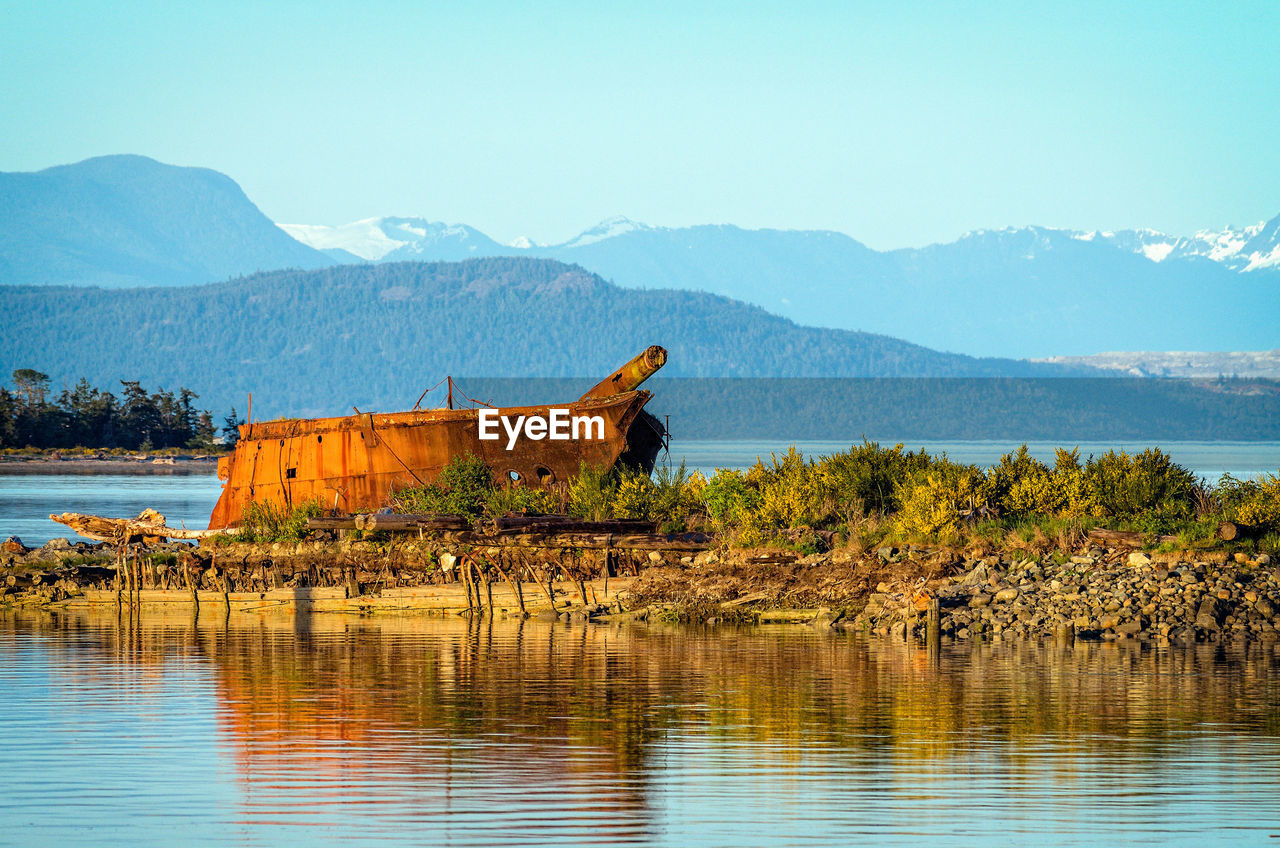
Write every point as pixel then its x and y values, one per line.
pixel 321 730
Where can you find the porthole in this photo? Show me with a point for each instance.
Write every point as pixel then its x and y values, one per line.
pixel 514 476
pixel 545 475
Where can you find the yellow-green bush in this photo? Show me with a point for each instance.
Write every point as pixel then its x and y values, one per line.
pixel 790 492
pixel 591 493
pixel 1257 503
pixel 945 495
pixel 728 497
pixel 633 497
pixel 503 500
pixel 1020 486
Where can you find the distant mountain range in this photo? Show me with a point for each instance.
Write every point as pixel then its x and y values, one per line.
pixel 1250 248
pixel 131 221
pixel 1029 291
pixel 375 336
pixel 119 221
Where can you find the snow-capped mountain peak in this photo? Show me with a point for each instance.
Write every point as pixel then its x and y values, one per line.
pixel 606 229
pixel 378 238
pixel 1239 248
pixel 364 238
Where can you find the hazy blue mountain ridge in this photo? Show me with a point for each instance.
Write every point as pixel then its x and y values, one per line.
pixel 129 220
pixel 1016 292
pixel 376 335
pixel 1028 291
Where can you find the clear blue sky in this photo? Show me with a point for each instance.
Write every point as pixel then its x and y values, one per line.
pixel 897 123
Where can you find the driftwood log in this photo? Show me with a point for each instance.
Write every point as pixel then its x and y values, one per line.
pixel 568 524
pixel 437 523
pixel 531 531
pixel 148 527
pixel 1128 537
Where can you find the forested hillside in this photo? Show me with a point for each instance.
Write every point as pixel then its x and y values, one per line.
pixel 318 342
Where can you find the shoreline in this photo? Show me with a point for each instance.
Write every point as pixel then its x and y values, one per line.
pixel 1093 593
pixel 137 464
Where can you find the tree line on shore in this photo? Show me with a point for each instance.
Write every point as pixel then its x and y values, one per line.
pixel 84 416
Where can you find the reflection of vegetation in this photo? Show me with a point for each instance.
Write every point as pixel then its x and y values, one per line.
pixel 560 693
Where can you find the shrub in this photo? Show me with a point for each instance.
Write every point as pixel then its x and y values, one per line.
pixel 675 497
pixel 728 498
pixel 267 521
pixel 947 494
pixel 1256 502
pixel 868 478
pixel 463 488
pixel 633 497
pixel 503 500
pixel 591 492
pixel 790 493
pixel 1019 484
pixel 1148 483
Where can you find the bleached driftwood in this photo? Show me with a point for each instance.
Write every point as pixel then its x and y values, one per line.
pixel 149 526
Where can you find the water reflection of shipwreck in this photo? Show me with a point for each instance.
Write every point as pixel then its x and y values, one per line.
pixel 354 463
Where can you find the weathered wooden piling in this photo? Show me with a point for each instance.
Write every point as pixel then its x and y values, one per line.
pixel 933 625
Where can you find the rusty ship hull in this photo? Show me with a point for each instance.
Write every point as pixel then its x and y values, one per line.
pixel 356 463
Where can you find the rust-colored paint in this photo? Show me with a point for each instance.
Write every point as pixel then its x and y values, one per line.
pixel 355 463
pixel 631 375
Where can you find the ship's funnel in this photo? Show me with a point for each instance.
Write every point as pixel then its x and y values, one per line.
pixel 630 376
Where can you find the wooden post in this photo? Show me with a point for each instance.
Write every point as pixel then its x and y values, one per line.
pixel 191 584
pixel 225 581
pixel 547 588
pixel 474 570
pixel 464 566
pixel 135 576
pixel 515 586
pixel 933 625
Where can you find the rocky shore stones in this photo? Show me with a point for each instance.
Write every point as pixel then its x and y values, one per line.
pixel 1107 594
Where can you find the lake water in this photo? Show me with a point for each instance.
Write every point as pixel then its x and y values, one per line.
pixel 26 500
pixel 331 730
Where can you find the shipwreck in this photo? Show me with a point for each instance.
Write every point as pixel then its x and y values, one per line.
pixel 354 464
